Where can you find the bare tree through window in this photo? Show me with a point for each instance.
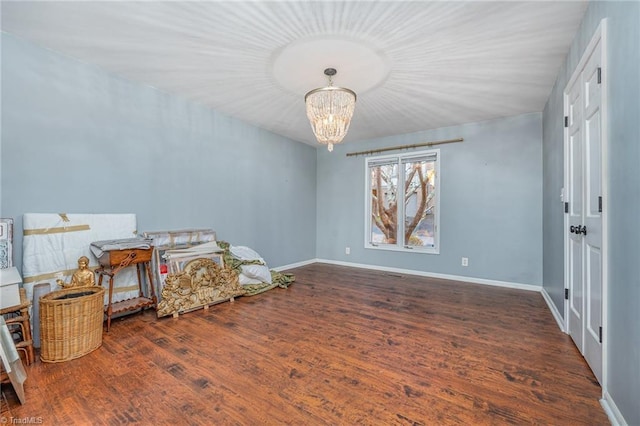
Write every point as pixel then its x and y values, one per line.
pixel 415 203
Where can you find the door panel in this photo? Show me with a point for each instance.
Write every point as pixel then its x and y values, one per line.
pixel 592 346
pixel 594 311
pixel 575 292
pixel 592 215
pixel 575 197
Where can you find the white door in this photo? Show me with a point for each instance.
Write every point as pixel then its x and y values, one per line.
pixel 584 223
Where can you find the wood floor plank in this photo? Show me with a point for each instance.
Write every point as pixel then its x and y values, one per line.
pixel 341 346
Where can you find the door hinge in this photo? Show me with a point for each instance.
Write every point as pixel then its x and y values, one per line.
pixel 566 121
pixel 566 294
pixel 599 75
pixel 600 334
pixel 600 204
pixel 566 207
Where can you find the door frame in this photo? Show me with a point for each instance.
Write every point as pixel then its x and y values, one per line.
pixel 599 36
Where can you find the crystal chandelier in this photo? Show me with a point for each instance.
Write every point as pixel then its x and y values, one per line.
pixel 329 110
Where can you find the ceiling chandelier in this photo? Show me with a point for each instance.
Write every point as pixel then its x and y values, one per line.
pixel 329 110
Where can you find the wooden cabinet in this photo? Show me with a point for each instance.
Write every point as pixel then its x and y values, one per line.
pixel 112 263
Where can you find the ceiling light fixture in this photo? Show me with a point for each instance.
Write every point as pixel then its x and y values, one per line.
pixel 329 110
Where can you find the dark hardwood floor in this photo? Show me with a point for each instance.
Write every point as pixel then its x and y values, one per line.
pixel 341 346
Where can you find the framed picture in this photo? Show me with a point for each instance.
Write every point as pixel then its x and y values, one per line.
pixel 6 243
pixel 164 241
pixel 178 264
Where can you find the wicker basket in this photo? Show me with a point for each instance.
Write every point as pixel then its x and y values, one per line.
pixel 71 323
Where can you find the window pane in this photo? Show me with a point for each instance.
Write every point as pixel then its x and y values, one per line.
pixel 419 203
pixel 384 205
pixel 402 204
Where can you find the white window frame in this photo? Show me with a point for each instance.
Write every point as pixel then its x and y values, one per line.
pixel 399 245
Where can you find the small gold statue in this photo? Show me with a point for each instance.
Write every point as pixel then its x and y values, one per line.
pixel 83 277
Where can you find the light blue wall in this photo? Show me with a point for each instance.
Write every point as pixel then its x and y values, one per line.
pixel 552 205
pixel 491 202
pixel 76 139
pixel 623 322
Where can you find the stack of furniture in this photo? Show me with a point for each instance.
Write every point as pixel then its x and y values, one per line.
pixel 11 369
pixel 19 323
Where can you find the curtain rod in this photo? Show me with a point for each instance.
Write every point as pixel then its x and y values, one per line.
pixel 416 145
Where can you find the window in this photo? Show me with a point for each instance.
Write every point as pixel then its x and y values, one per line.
pixel 403 186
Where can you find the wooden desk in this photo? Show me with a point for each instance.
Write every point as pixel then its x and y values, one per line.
pixel 19 316
pixel 117 260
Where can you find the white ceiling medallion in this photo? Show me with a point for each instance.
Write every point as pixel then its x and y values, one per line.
pixel 295 67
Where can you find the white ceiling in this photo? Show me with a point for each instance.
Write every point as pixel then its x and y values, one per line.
pixel 414 65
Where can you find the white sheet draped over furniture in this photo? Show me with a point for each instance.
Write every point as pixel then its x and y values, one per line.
pixel 53 242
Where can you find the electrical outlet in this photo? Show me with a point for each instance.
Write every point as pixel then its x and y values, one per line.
pixel 347 250
pixel 465 261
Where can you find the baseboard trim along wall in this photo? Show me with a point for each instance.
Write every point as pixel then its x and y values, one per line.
pixel 553 309
pixel 295 265
pixel 472 280
pixel 611 409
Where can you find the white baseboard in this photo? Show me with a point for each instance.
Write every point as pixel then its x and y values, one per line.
pixel 295 265
pixel 611 409
pixel 554 310
pixel 472 280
